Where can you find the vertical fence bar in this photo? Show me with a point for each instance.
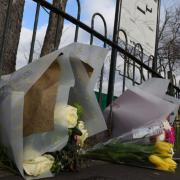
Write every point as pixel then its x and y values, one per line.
pixel 162 69
pixel 114 53
pixel 112 73
pixel 34 32
pixel 141 57
pixel 91 42
pixel 77 27
pixel 134 65
pixel 4 34
pixel 150 59
pixel 78 18
pixel 179 91
pixel 173 84
pixel 154 66
pixel 92 26
pixel 171 88
pixel 125 59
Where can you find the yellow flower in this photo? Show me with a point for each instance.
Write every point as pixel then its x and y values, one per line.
pixel 156 160
pixel 165 155
pixel 172 164
pixel 170 161
pixel 81 139
pixel 166 164
pixel 163 147
pixel 161 168
pixel 39 165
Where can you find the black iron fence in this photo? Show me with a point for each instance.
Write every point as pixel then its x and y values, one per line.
pixel 137 66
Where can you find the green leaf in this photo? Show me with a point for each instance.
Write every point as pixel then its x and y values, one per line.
pixel 80 110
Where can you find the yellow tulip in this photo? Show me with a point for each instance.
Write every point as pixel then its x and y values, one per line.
pixel 172 164
pixel 165 155
pixel 161 168
pixel 157 161
pixel 163 147
pixel 170 161
pixel 166 164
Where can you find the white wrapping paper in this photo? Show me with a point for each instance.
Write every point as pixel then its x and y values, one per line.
pixel 141 109
pixel 75 85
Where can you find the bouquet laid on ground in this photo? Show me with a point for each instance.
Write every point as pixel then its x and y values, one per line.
pixel 67 158
pixel 43 128
pixel 142 128
pixel 58 161
pixel 154 151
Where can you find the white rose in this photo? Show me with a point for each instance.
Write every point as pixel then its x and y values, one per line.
pixel 166 125
pixel 39 165
pixel 81 125
pixel 66 116
pixel 81 139
pixel 71 116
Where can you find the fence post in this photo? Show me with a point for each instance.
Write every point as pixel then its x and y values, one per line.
pixel 114 53
pixel 34 32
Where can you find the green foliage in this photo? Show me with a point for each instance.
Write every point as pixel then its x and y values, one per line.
pixel 121 153
pixel 67 158
pixel 80 110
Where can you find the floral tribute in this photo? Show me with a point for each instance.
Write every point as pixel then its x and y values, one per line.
pixel 154 151
pixel 59 161
pixel 67 158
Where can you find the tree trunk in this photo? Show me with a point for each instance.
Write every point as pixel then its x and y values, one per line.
pixel 54 29
pixel 12 33
pixel 3 8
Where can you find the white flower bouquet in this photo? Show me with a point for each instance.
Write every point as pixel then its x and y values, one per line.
pixel 39 118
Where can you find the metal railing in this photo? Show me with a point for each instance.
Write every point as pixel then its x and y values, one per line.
pixel 91 42
pixel 136 68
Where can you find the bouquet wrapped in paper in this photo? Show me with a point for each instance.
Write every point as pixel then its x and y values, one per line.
pixel 41 108
pixel 143 133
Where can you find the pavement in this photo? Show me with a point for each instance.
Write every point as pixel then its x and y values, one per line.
pixel 107 171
